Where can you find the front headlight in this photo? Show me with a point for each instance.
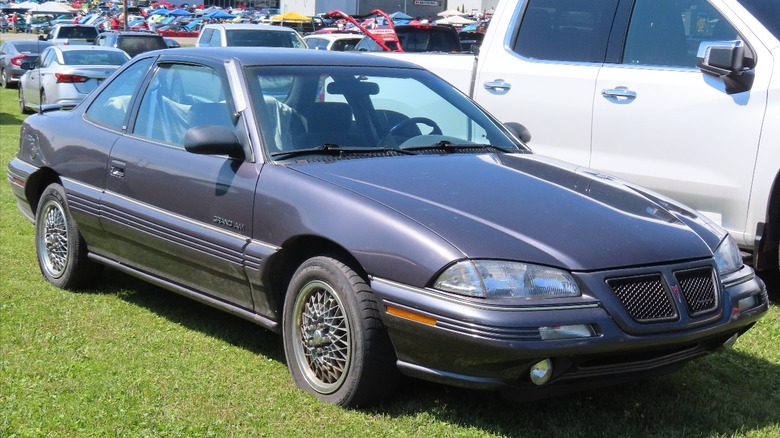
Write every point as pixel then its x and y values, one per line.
pixel 727 256
pixel 501 279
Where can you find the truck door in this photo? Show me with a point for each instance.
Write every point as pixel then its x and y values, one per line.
pixel 543 74
pixel 660 122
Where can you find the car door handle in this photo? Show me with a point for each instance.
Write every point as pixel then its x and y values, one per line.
pixel 497 85
pixel 619 93
pixel 117 169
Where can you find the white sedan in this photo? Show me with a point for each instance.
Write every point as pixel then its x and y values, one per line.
pixel 64 75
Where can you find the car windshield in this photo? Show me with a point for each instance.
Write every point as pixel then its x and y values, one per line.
pixel 31 46
pixel 94 57
pixel 78 32
pixel 263 38
pixel 767 12
pixel 339 111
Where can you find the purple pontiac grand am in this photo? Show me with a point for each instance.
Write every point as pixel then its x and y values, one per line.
pixel 378 220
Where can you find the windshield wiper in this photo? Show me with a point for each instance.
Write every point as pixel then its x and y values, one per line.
pixel 451 147
pixel 334 149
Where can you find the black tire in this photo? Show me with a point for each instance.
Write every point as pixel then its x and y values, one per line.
pixel 62 252
pixel 4 79
pixel 334 341
pixel 22 106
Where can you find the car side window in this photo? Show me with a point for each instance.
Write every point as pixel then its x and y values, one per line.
pixel 206 37
pixel 47 59
pixel 572 31
pixel 216 39
pixel 669 32
pixel 110 107
pixel 179 97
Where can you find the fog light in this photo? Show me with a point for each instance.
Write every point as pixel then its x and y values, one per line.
pixel 747 303
pixel 541 372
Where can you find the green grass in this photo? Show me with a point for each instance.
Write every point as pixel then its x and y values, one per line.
pixel 134 360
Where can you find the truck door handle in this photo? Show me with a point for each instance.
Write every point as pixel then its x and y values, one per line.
pixel 619 93
pixel 498 85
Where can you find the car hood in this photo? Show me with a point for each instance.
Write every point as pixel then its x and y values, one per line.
pixel 524 207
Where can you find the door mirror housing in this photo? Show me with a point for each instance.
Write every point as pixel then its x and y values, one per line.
pixel 519 131
pixel 213 140
pixel 726 60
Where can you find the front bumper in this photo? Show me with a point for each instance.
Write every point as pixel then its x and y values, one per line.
pixel 18 175
pixel 467 343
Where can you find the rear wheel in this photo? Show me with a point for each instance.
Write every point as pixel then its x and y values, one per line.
pixel 4 79
pixel 334 341
pixel 22 104
pixel 62 252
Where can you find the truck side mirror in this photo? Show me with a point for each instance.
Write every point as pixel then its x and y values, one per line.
pixel 725 59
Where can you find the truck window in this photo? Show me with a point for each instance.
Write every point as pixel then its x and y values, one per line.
pixel 669 32
pixel 574 31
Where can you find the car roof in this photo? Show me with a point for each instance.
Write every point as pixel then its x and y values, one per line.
pixel 134 32
pixel 84 47
pixel 335 36
pixel 73 25
pixel 249 26
pixel 282 56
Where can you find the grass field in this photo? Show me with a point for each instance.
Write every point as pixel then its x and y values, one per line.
pixel 135 360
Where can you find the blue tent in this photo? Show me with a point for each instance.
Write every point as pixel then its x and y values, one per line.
pixel 160 11
pixel 180 13
pixel 219 14
pixel 398 15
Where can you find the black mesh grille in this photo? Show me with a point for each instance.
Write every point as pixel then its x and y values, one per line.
pixel 645 298
pixel 698 290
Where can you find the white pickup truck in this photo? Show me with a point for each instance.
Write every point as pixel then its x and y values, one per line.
pixel 680 96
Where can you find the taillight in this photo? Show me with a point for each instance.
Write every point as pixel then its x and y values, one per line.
pixel 17 60
pixel 63 78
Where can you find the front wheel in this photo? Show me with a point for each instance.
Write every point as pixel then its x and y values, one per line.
pixel 334 341
pixel 62 253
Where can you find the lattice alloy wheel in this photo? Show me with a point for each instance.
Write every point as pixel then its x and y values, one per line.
pixel 323 337
pixel 53 245
pixel 62 252
pixel 334 341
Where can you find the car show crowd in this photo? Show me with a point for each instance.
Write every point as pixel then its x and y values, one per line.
pixel 185 20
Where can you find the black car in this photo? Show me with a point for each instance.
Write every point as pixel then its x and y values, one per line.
pixel 15 52
pixel 380 221
pixel 132 42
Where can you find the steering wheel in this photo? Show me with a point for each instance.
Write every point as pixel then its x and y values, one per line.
pixel 436 130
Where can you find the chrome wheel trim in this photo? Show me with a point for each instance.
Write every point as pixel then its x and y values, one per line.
pixel 53 242
pixel 322 337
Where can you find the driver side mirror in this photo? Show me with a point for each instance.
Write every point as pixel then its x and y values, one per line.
pixel 519 131
pixel 42 37
pixel 726 59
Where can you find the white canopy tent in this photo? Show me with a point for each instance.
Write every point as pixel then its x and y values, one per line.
pixel 455 20
pixel 52 8
pixel 451 13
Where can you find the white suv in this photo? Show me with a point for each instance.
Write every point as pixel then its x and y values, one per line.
pixel 249 35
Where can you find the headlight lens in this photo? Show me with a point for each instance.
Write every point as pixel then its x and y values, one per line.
pixel 501 279
pixel 727 256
